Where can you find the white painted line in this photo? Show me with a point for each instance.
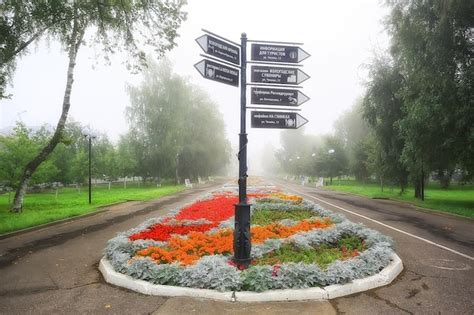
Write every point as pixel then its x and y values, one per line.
pixel 386 225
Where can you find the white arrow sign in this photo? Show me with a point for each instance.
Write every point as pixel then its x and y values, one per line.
pixel 218 72
pixel 278 53
pixel 219 48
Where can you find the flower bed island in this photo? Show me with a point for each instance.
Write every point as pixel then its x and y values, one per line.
pixel 296 244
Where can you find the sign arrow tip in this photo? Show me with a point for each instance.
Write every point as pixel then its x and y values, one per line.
pixel 202 41
pixel 302 55
pixel 300 121
pixel 302 76
pixel 302 98
pixel 200 67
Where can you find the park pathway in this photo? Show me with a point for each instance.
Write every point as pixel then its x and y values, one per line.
pixel 53 270
pixel 437 251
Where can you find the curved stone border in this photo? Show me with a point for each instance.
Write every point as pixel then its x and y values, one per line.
pixel 384 277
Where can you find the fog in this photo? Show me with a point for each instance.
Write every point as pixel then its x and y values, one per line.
pixel 341 37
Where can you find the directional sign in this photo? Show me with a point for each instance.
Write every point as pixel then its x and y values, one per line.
pixel 278 53
pixel 278 120
pixel 277 97
pixel 220 49
pixel 278 75
pixel 217 72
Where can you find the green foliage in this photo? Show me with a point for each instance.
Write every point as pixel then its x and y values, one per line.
pixel 268 216
pixel 15 152
pixel 114 25
pixel 296 156
pixel 419 98
pixel 358 141
pixel 331 158
pixel 322 255
pixel 351 242
pixel 382 108
pixel 175 129
pixel 69 163
pixel 44 207
pixel 127 26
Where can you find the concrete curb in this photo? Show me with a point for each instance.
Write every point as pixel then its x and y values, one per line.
pixel 384 277
pixel 145 287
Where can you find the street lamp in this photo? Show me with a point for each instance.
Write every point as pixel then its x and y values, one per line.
pixel 331 153
pixel 177 166
pixel 89 136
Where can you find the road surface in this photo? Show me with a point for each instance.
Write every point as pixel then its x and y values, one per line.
pixel 54 269
pixel 437 251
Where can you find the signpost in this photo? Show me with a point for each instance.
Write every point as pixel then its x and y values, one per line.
pixel 218 72
pixel 278 120
pixel 278 53
pixel 219 48
pixel 230 70
pixel 278 75
pixel 277 97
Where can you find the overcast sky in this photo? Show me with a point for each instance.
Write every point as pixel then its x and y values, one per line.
pixel 341 37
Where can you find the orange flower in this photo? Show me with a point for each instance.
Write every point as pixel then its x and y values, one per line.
pixel 282 196
pixel 198 244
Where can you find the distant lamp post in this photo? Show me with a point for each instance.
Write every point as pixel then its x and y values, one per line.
pixel 89 136
pixel 177 166
pixel 331 162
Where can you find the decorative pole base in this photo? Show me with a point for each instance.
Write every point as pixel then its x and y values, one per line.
pixel 242 244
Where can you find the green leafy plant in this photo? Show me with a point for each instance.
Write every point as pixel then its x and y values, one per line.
pixel 346 247
pixel 266 216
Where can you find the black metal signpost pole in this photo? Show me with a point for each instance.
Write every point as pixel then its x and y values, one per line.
pixel 242 243
pixel 221 64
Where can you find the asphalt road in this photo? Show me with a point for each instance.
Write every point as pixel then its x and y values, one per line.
pixel 54 269
pixel 437 251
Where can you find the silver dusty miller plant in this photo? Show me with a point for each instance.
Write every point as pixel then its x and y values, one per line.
pixel 216 271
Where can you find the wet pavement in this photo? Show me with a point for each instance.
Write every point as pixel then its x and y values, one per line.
pixel 54 269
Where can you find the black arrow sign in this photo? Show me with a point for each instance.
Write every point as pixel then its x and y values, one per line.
pixel 277 97
pixel 220 49
pixel 278 53
pixel 277 120
pixel 218 72
pixel 278 75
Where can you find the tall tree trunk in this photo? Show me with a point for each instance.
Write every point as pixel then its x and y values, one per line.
pixel 422 184
pixel 418 189
pixel 76 38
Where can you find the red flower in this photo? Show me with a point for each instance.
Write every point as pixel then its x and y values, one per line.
pixel 161 232
pixel 217 209
pixel 276 268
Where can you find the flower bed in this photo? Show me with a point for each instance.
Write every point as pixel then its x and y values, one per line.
pixel 297 244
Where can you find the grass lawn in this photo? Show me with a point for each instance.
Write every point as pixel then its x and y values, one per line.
pixel 456 199
pixel 40 208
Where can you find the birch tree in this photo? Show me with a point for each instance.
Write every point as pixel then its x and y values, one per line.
pixel 114 25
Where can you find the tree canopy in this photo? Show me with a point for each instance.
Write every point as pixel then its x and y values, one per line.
pixel 174 127
pixel 127 26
